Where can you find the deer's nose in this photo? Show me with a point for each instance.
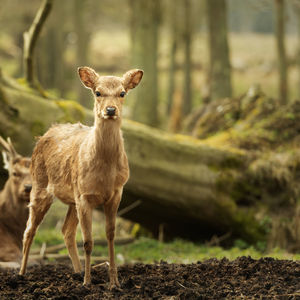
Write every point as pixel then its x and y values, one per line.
pixel 111 111
pixel 27 188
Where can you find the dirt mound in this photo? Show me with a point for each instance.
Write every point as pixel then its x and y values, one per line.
pixel 211 279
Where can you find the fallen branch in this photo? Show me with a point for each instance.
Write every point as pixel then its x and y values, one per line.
pixel 128 208
pixel 95 259
pixel 98 242
pixel 216 241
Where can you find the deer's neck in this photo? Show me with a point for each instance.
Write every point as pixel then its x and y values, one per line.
pixel 108 141
pixel 7 199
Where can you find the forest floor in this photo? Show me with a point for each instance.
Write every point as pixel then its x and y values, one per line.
pixel 242 278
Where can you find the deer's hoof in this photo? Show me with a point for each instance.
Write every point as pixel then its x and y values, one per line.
pixel 114 284
pixel 87 282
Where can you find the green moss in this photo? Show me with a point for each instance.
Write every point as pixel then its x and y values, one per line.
pixel 73 111
pixel 22 82
pixel 37 128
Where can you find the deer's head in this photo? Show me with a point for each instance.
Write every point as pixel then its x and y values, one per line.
pixel 109 91
pixel 18 170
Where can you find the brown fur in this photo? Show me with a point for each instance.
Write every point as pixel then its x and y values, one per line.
pixel 84 167
pixel 14 199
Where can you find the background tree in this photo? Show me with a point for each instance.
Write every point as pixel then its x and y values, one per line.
pixel 219 62
pixel 281 53
pixel 187 67
pixel 173 10
pixel 30 40
pixel 297 9
pixel 145 19
pixel 83 36
pixel 53 38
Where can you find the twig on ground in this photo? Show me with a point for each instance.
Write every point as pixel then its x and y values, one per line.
pixel 215 240
pixel 101 264
pixel 129 208
pixel 43 249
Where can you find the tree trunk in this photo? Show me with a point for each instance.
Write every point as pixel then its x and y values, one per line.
pixel 187 39
pixel 51 63
pixel 219 61
pixel 82 46
pixel 174 45
pixel 297 6
pixel 281 53
pixel 30 40
pixel 144 30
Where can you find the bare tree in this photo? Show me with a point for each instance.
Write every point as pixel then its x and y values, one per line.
pixel 297 8
pixel 53 61
pixel 145 19
pixel 174 18
pixel 187 40
pixel 30 40
pixel 219 62
pixel 281 53
pixel 82 45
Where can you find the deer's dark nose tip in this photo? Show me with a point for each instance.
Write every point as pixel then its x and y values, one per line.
pixel 110 111
pixel 27 188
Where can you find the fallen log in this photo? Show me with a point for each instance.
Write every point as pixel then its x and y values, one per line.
pixel 182 183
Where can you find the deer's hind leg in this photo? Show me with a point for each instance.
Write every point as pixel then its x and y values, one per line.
pixel 69 232
pixel 40 202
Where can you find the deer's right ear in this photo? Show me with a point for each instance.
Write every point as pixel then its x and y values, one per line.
pixel 88 77
pixel 9 152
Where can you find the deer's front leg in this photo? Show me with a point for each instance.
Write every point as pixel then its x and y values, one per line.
pixel 110 210
pixel 84 211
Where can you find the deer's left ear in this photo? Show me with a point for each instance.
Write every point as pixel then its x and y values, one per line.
pixel 132 78
pixel 5 160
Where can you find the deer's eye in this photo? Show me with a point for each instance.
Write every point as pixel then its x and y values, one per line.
pixel 15 174
pixel 98 94
pixel 122 94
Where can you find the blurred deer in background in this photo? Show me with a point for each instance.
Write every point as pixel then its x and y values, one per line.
pixel 14 199
pixel 84 167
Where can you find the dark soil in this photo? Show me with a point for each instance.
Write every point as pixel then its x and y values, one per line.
pixel 244 278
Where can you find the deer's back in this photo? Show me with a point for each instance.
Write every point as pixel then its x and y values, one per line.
pixel 56 152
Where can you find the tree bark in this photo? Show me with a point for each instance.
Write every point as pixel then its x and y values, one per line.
pixel 144 30
pixel 219 61
pixel 30 40
pixel 174 46
pixel 187 39
pixel 53 61
pixel 297 6
pixel 82 46
pixel 281 53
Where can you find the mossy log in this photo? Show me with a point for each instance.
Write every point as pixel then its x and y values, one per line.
pixel 186 187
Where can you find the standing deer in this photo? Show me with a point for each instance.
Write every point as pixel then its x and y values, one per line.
pixel 84 167
pixel 14 199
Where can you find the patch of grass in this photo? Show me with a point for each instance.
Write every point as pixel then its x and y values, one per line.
pixel 179 251
pixel 48 236
pixel 147 250
pixel 144 249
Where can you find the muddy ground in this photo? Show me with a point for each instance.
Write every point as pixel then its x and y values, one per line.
pixel 243 278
